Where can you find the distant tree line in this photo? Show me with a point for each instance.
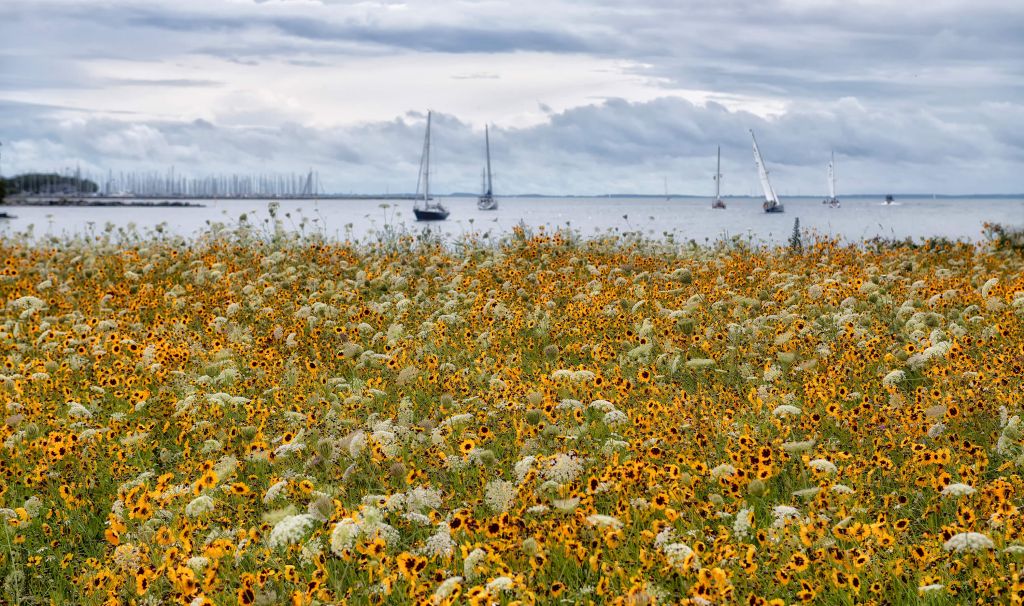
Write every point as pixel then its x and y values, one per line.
pixel 46 184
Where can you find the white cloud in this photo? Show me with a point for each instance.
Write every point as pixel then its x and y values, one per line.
pixel 585 97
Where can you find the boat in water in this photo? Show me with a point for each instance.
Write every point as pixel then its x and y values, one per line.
pixel 832 200
pixel 4 215
pixel 889 199
pixel 771 200
pixel 424 207
pixel 486 201
pixel 718 202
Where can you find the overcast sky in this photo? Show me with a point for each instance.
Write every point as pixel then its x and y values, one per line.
pixel 583 97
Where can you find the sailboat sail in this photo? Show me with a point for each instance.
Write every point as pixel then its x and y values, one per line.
pixel 486 200
pixel 423 178
pixel 771 201
pixel 766 185
pixel 718 202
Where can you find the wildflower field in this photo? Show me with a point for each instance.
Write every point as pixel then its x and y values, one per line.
pixel 252 418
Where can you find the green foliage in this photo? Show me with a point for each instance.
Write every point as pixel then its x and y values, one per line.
pixel 50 183
pixel 795 243
pixel 1003 237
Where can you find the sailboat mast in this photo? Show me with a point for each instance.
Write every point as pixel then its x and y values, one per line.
pixel 487 143
pixel 718 175
pixel 832 176
pixel 426 163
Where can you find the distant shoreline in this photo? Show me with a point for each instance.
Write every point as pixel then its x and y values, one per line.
pixel 190 201
pixel 101 202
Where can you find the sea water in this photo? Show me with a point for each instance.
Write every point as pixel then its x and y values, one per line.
pixel 857 219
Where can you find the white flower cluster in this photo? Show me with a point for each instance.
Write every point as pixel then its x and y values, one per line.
pixel 199 505
pixel 275 491
pixel 784 513
pixel 499 494
pixel 419 498
pixel 522 467
pixel 440 544
pixel 616 418
pixel 722 470
pixel 576 376
pixel 1009 439
pixel 743 523
pixel 367 523
pixel 968 542
pixel 894 378
pixel 474 559
pixel 681 556
pixel 77 411
pixel 611 446
pixel 290 530
pixel 445 589
pixel 797 447
pixel 603 521
pixel 822 465
pixel 958 490
pixel 786 410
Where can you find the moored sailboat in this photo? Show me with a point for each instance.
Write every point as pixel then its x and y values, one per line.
pixel 424 206
pixel 771 201
pixel 487 200
pixel 718 202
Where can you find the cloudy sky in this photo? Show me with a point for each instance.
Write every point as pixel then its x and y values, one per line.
pixel 583 97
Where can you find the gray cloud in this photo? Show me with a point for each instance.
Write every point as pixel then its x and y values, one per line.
pixel 614 146
pixel 910 97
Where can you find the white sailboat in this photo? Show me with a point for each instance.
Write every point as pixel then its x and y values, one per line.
pixel 771 201
pixel 832 200
pixel 718 202
pixel 486 200
pixel 424 206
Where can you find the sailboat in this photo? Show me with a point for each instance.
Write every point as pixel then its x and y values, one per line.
pixel 832 200
pixel 771 201
pixel 718 202
pixel 486 200
pixel 424 206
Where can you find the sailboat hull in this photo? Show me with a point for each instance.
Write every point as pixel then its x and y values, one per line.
pixel 430 214
pixel 719 204
pixel 773 208
pixel 487 202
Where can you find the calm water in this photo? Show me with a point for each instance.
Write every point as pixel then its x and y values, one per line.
pixel 686 218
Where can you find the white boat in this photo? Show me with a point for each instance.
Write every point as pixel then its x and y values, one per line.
pixel 718 202
pixel 486 200
pixel 832 200
pixel 771 201
pixel 424 206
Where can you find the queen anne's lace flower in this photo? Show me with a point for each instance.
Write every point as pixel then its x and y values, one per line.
pixel 499 494
pixel 958 490
pixel 786 410
pixel 290 530
pixel 602 521
pixel 199 505
pixel 822 465
pixel 563 468
pixel 968 542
